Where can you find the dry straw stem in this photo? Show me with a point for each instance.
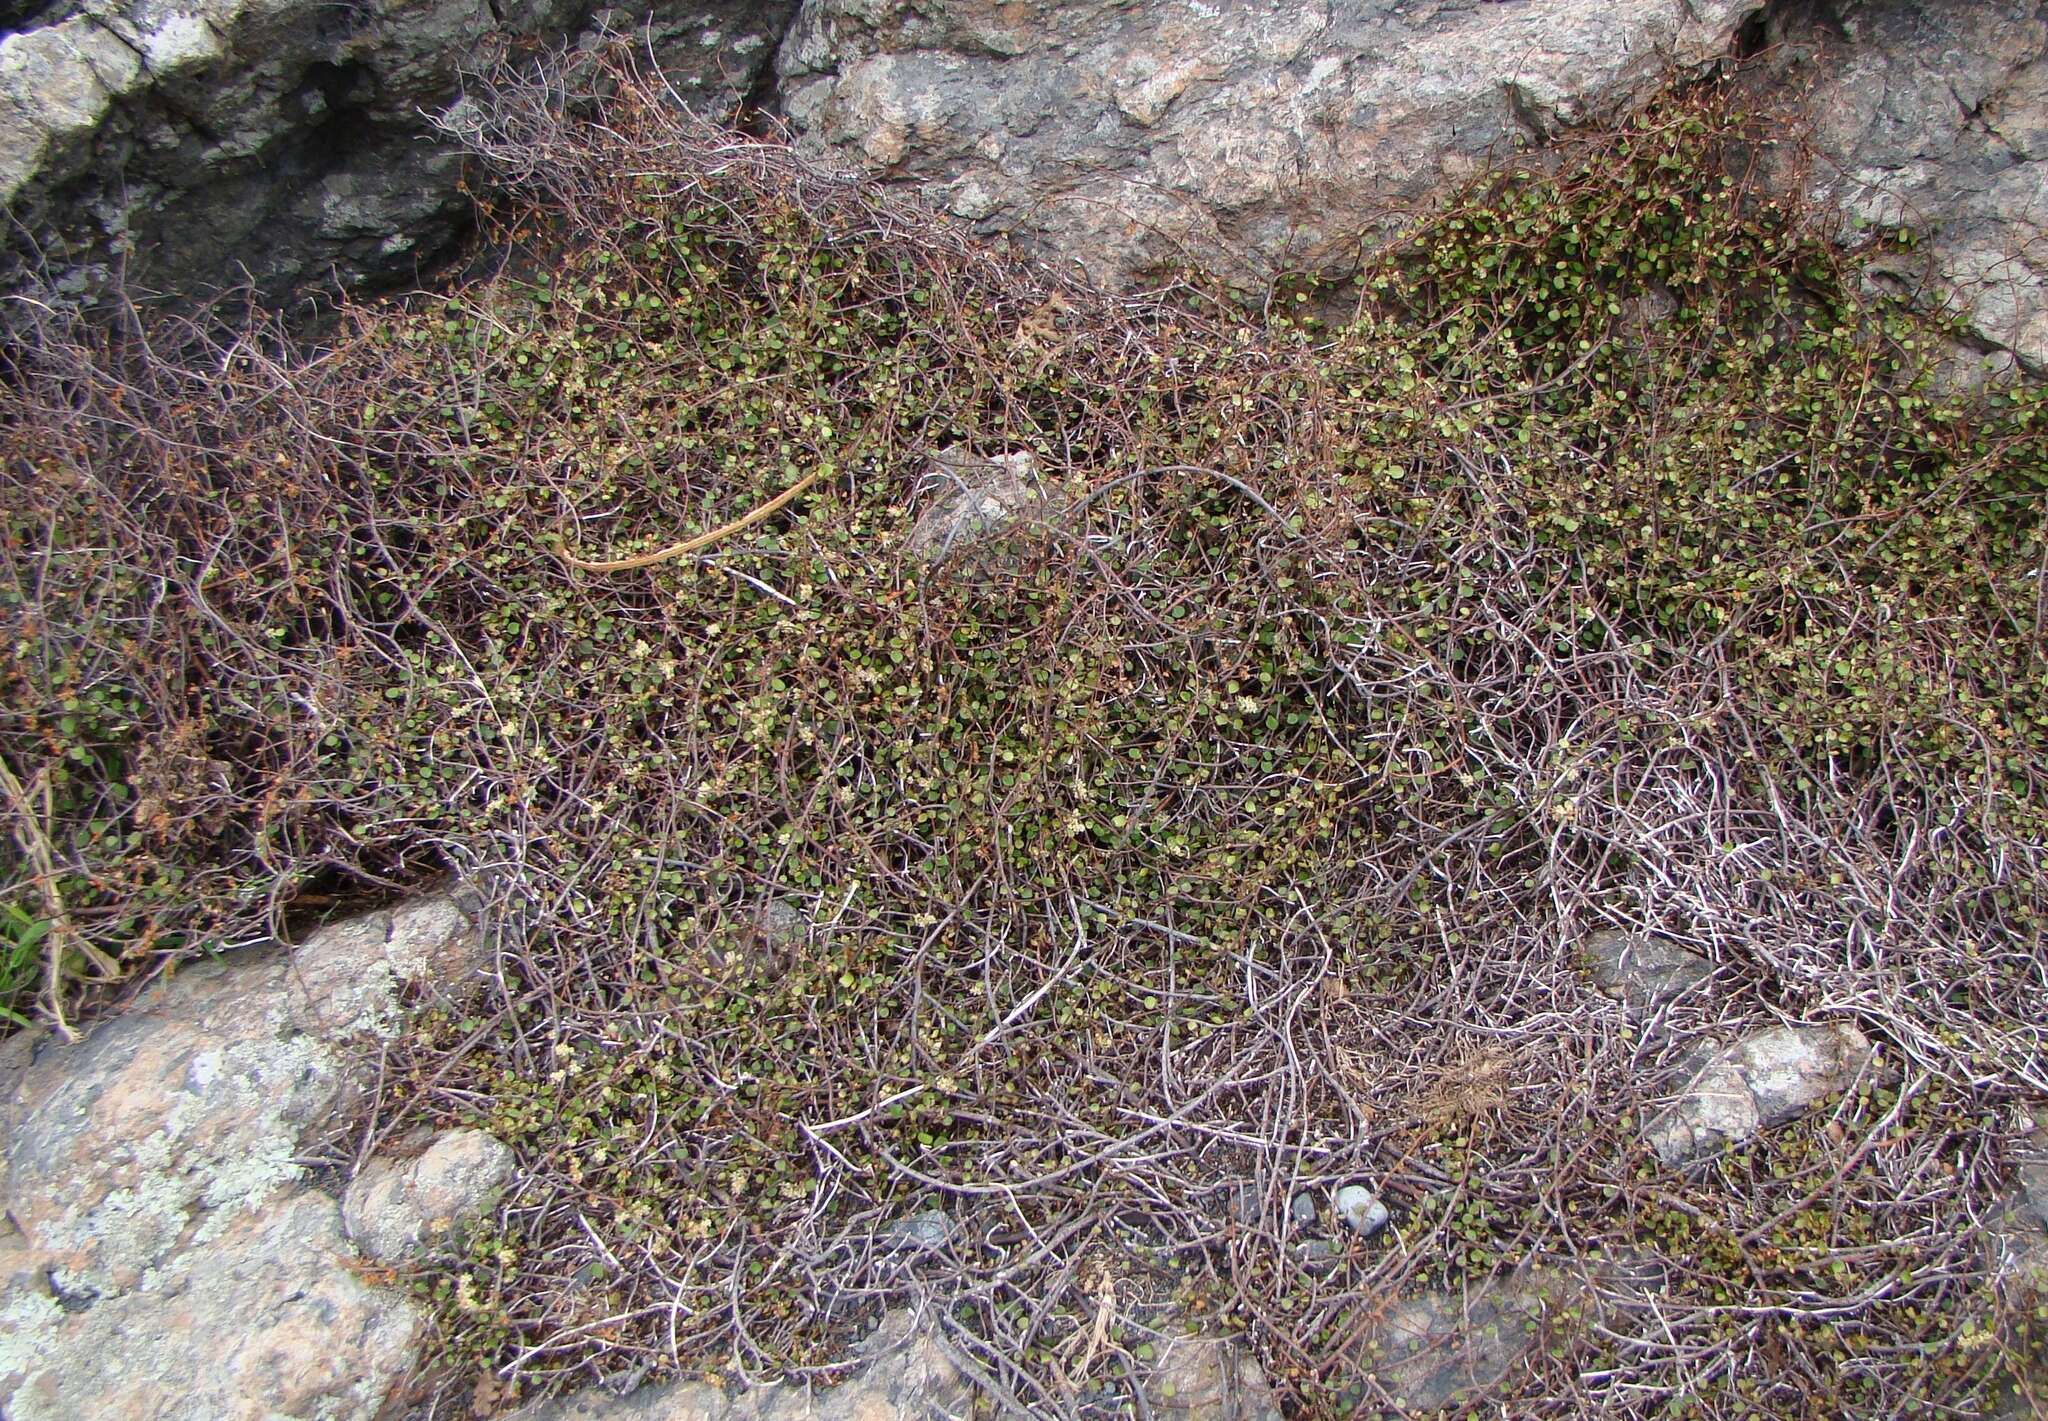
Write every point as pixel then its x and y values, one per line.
pixel 702 540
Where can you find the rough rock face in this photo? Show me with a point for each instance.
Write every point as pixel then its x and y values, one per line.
pixel 1245 138
pixel 1427 1351
pixel 1642 972
pixel 1766 1078
pixel 192 141
pixel 153 1194
pixel 265 1320
pixel 1934 115
pixel 2019 1231
pixel 1257 138
pixel 910 1377
pixel 397 1209
pixel 1209 1379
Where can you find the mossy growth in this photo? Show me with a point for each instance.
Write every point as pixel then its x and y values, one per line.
pixel 1613 558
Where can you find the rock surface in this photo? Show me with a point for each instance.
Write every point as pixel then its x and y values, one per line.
pixel 1132 140
pixel 266 1320
pixel 1360 1210
pixel 194 141
pixel 970 498
pixel 1209 1379
pixel 399 1209
pixel 910 1376
pixel 1428 1351
pixel 1642 972
pixel 151 1171
pixel 1934 115
pixel 2019 1231
pixel 1765 1079
pixel 923 1232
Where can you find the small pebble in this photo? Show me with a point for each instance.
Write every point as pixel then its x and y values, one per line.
pixel 922 1233
pixel 1303 1209
pixel 1361 1210
pixel 1319 1255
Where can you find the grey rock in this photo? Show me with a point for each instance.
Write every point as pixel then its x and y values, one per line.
pixel 768 939
pixel 1643 972
pixel 2018 1238
pixel 152 1174
pixel 1209 1379
pixel 1244 1203
pixel 1303 1209
pixel 2033 1182
pixel 1764 1079
pixel 1361 1210
pixel 2019 1230
pixel 165 1121
pixel 1934 115
pixel 1319 1255
pixel 1132 140
pixel 198 142
pixel 266 1321
pixel 920 1232
pixel 399 1209
pixel 1425 1352
pixel 1651 307
pixel 970 498
pixel 910 1376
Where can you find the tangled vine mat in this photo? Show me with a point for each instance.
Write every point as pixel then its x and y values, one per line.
pixel 1026 911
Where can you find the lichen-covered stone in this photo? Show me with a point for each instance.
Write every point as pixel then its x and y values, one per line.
pixel 266 1321
pixel 398 1209
pixel 1209 1379
pixel 1765 1079
pixel 969 498
pixel 1130 140
pixel 1426 1351
pixel 188 1107
pixel 1644 972
pixel 170 1261
pixel 910 1377
pixel 1933 115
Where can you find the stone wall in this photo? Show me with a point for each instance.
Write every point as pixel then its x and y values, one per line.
pixel 1259 138
pixel 201 142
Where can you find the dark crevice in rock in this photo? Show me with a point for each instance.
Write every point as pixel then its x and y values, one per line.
pixel 73 1298
pixel 1787 24
pixel 1753 37
pixel 329 92
pixel 759 112
pixel 19 15
pixel 316 170
pixel 342 20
